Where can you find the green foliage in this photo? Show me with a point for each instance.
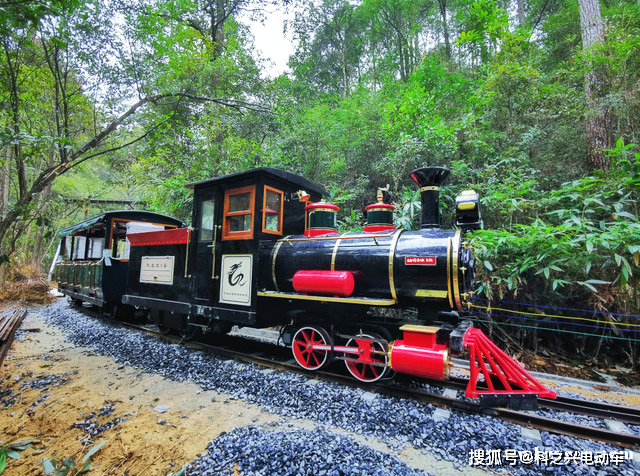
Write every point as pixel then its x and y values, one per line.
pixel 351 221
pixel 484 24
pixel 67 466
pixel 584 239
pixel 408 214
pixel 10 450
pixel 331 45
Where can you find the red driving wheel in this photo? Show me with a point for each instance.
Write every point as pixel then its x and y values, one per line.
pixel 303 351
pixel 369 372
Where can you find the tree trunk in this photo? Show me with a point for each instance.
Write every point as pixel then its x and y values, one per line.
pixel 218 18
pixel 521 18
pixel 5 180
pixel 345 70
pixel 401 61
pixel 599 122
pixel 37 252
pixel 445 27
pixel 27 246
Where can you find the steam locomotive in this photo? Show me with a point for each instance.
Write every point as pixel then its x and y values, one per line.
pixel 264 250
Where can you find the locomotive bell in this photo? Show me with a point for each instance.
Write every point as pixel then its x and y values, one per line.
pixel 429 179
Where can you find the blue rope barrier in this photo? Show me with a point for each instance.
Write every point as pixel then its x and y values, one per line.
pixel 548 322
pixel 554 307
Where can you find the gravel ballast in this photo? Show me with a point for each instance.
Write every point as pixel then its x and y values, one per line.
pixel 333 407
pixel 254 450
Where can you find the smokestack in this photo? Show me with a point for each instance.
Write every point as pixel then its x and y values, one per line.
pixel 429 179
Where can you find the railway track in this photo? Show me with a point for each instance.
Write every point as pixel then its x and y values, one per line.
pixel 609 411
pixel 527 418
pixel 266 353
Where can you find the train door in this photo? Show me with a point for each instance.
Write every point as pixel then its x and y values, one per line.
pixel 237 255
pixel 207 252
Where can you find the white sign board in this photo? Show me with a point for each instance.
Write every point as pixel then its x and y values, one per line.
pixel 157 269
pixel 235 279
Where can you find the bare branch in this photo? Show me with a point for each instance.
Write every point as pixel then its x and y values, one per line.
pixel 113 149
pixel 73 159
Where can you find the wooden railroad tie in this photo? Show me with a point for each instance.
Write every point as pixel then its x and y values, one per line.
pixel 9 323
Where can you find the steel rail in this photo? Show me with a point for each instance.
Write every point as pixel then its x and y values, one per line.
pixel 609 411
pixel 554 425
pixel 578 406
pixel 571 429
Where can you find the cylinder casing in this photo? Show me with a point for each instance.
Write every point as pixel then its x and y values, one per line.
pixel 419 361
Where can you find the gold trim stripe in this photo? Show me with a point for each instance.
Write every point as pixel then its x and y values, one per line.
pixel 273 262
pixel 213 251
pixel 370 236
pixel 449 271
pixel 334 254
pixel 306 297
pixel 392 252
pixel 330 210
pixel 455 270
pixel 427 188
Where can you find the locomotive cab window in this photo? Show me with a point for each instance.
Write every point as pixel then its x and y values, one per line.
pixel 207 220
pixel 272 211
pixel 238 213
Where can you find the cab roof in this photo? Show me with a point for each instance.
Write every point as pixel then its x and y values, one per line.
pixel 283 175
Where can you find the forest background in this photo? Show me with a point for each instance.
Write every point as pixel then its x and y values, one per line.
pixel 533 103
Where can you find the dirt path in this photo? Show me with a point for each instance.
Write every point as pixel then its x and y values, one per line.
pixel 56 409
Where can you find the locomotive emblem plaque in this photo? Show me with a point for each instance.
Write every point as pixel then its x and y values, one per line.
pixel 157 269
pixel 235 282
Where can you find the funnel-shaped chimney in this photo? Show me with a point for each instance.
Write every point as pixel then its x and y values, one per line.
pixel 429 179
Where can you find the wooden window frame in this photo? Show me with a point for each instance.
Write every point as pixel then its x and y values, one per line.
pixel 264 207
pixel 238 235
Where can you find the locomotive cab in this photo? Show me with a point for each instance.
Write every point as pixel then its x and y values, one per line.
pixel 215 278
pixel 232 215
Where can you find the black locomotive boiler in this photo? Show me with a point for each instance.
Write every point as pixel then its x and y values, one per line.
pixel 263 250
